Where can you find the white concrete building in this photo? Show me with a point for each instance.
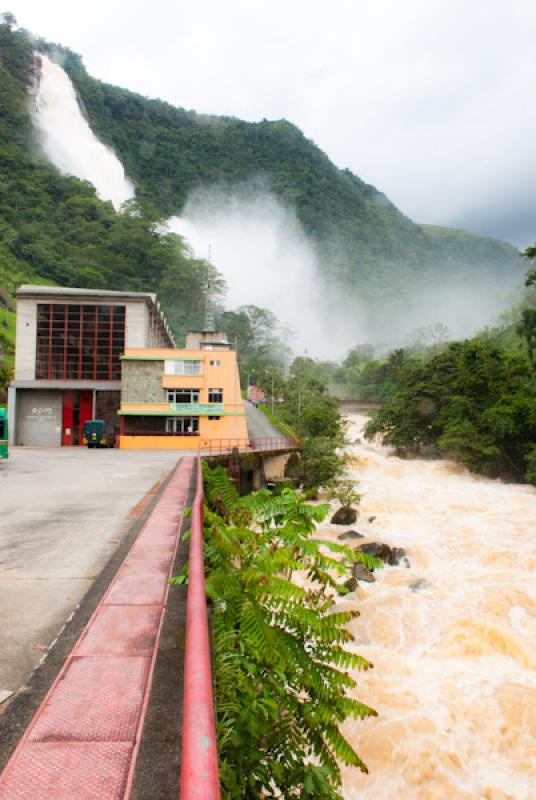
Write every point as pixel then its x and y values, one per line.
pixel 67 358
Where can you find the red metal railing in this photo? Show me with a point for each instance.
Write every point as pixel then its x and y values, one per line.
pixel 199 758
pixel 222 446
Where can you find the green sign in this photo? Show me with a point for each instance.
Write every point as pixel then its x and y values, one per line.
pixel 197 409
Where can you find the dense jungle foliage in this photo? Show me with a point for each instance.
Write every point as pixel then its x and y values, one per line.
pixel 54 229
pixel 472 400
pixel 281 661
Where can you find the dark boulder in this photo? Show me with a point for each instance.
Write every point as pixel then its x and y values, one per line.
pixel 376 549
pixel 397 557
pixel 347 535
pixel 346 515
pixel 371 519
pixel 361 573
pixel 351 584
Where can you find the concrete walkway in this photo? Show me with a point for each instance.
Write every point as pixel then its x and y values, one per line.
pixel 259 426
pixel 84 739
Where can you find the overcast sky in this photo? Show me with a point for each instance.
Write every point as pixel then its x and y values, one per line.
pixel 432 101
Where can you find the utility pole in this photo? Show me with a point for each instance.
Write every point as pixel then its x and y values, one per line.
pixel 299 407
pixel 272 391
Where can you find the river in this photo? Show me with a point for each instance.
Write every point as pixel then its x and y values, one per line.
pixel 454 656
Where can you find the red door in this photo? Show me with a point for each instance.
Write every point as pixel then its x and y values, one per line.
pixel 77 409
pixel 67 418
pixel 85 413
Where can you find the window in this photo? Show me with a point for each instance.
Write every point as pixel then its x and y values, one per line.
pixel 183 426
pixel 214 418
pixel 172 367
pixel 79 342
pixel 215 363
pixel 215 395
pixel 183 395
pixel 2 431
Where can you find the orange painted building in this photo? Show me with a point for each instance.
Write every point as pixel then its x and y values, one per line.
pixel 182 399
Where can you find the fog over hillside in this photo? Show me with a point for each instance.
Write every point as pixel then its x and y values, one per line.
pixel 268 259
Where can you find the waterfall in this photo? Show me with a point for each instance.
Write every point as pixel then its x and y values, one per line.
pixel 68 140
pixel 452 638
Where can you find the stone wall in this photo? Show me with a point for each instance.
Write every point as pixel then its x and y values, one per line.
pixel 141 382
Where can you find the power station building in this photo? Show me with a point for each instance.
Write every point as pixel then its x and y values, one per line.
pixel 69 344
pixel 185 399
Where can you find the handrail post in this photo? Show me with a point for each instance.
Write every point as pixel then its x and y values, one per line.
pixel 199 757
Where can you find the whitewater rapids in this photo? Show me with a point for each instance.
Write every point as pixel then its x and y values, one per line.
pixel 67 139
pixel 455 656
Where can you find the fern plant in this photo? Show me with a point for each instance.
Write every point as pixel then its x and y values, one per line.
pixel 281 661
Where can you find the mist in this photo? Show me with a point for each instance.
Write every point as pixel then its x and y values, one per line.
pixel 258 245
pixel 267 259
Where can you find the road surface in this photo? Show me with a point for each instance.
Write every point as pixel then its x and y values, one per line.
pixel 64 512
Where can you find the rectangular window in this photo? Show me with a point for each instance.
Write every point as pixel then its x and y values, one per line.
pixel 183 426
pixel 214 418
pixel 183 395
pixel 215 363
pixel 2 431
pixel 215 395
pixel 79 342
pixel 173 367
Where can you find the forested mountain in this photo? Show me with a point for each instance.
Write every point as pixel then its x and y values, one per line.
pixel 55 228
pixel 363 240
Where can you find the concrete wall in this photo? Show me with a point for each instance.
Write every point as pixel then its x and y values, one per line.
pixel 39 416
pixel 137 325
pixel 141 382
pixel 26 340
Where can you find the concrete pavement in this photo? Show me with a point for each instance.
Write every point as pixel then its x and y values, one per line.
pixel 63 513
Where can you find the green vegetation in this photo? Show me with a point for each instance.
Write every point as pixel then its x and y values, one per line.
pixel 282 686
pixel 304 407
pixel 54 229
pixel 474 401
pixel 363 241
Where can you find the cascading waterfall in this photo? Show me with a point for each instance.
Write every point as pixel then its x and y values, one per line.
pixel 452 638
pixel 68 140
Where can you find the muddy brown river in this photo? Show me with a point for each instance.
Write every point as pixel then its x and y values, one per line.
pixel 455 654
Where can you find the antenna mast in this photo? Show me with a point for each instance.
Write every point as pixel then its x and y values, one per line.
pixel 208 321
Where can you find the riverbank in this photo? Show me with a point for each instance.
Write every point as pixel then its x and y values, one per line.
pixel 455 673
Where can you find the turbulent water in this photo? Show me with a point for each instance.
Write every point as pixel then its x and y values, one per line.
pixel 69 142
pixel 455 654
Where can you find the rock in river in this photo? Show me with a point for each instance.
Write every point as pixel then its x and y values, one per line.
pixel 418 585
pixel 398 556
pixel 346 515
pixel 361 573
pixel 347 535
pixel 377 549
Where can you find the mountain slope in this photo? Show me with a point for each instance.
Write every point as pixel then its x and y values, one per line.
pixel 362 239
pixel 54 229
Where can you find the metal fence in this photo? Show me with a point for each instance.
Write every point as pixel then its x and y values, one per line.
pixel 199 757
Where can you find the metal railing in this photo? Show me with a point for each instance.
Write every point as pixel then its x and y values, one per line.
pixel 216 447
pixel 199 757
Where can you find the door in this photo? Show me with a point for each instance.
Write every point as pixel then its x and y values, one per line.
pixel 77 409
pixel 85 412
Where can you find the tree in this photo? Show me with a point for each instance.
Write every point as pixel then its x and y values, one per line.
pixel 7 18
pixel 281 662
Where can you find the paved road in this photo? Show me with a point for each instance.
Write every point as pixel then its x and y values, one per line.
pixel 63 513
pixel 259 426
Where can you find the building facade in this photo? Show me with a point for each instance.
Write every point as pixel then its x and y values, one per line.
pixel 182 399
pixel 69 344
